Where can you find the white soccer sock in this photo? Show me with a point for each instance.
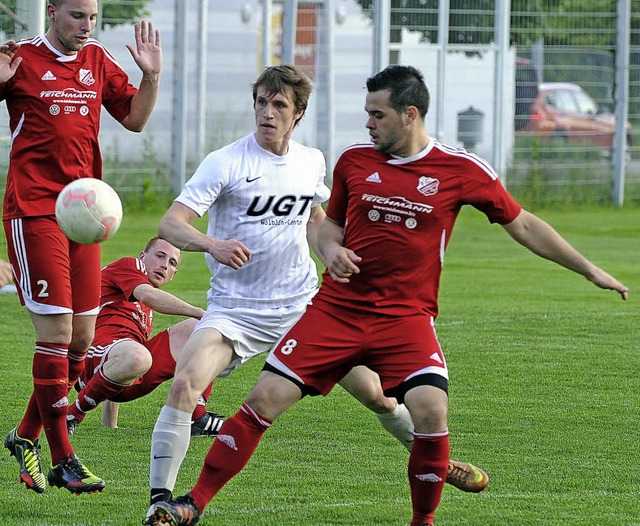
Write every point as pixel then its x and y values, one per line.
pixel 398 423
pixel 169 444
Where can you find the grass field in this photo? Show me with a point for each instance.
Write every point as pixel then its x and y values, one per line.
pixel 545 391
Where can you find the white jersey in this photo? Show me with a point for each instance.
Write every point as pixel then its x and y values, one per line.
pixel 263 200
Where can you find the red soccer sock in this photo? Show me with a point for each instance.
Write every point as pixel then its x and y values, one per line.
pixel 31 425
pixel 427 474
pixel 231 450
pixel 76 366
pixel 98 389
pixel 201 407
pixel 50 368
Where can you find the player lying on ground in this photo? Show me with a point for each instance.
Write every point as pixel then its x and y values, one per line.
pixel 123 362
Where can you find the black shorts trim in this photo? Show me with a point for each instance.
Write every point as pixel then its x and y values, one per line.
pixel 306 390
pixel 401 390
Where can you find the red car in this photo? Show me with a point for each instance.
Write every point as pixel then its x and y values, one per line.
pixel 564 110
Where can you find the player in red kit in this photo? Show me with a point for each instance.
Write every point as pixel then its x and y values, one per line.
pixel 55 86
pixel 124 362
pixel 390 216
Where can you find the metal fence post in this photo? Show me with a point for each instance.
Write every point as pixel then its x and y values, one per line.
pixel 443 42
pixel 201 102
pixel 289 29
pixel 501 34
pixel 622 99
pixel 381 34
pixel 179 128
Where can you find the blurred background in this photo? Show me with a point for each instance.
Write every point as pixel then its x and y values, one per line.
pixel 548 91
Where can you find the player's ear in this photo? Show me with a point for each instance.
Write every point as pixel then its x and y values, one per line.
pixel 412 113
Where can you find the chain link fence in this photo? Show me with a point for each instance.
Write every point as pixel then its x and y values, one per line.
pixel 556 99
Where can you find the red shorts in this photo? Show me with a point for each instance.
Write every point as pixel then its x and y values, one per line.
pixel 329 340
pixel 53 274
pixel 162 368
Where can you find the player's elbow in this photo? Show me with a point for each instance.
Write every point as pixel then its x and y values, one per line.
pixel 134 123
pixel 136 128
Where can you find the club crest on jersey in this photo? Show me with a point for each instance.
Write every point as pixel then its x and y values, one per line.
pixel 86 77
pixel 428 185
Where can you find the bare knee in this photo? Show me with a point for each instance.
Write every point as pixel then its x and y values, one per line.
pixel 82 334
pixel 80 343
pixel 273 395
pixel 127 363
pixel 377 402
pixel 364 385
pixel 429 408
pixel 182 393
pixel 139 362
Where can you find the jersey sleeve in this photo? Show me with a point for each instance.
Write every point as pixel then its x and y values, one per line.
pixel 206 184
pixel 117 90
pixel 322 191
pixel 125 274
pixel 483 190
pixel 337 208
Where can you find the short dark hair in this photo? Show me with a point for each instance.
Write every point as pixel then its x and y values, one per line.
pixel 276 79
pixel 151 243
pixel 406 85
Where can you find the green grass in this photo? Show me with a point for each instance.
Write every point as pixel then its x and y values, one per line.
pixel 544 390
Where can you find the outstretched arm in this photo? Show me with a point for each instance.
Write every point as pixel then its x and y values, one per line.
pixel 147 54
pixel 540 237
pixel 6 276
pixel 165 302
pixel 110 413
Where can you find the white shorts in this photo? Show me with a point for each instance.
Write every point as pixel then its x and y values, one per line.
pixel 251 331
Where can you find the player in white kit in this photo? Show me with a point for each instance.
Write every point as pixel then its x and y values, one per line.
pixel 263 196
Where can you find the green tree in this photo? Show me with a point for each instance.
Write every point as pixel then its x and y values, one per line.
pixel 114 13
pixel 558 22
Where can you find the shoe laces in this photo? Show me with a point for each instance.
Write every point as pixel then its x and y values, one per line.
pixel 459 472
pixel 186 505
pixel 74 465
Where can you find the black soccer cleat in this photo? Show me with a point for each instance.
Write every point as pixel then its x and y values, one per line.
pixel 27 454
pixel 72 475
pixel 207 425
pixel 179 512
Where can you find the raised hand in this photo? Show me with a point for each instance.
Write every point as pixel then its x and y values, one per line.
pixel 8 68
pixel 147 52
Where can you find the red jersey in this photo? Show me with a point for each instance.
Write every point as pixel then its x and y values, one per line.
pixel 54 102
pixel 121 315
pixel 398 214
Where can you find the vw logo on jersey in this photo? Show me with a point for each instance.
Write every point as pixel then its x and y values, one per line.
pixel 428 185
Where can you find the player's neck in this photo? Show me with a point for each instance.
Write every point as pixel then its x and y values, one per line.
pixel 413 145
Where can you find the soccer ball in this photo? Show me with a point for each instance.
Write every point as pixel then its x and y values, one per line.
pixel 88 211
